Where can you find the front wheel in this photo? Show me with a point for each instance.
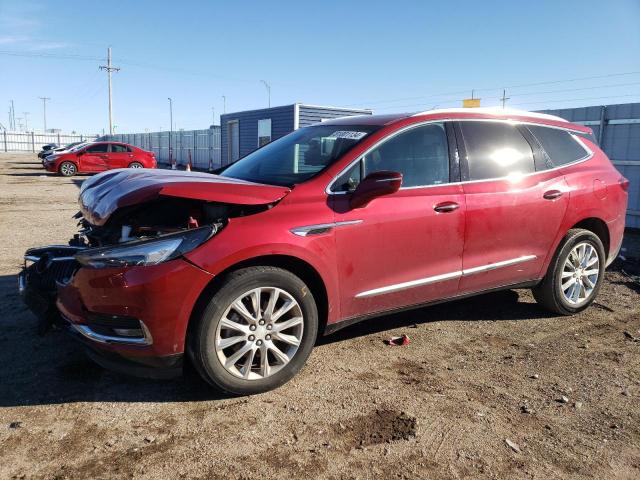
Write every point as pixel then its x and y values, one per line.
pixel 256 332
pixel 575 274
pixel 68 169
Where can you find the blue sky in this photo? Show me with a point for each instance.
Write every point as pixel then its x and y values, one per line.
pixel 388 56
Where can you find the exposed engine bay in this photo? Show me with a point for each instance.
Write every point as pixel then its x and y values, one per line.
pixel 138 218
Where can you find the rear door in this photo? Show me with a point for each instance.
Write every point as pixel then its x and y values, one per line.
pixel 120 156
pixel 513 211
pixel 94 158
pixel 405 248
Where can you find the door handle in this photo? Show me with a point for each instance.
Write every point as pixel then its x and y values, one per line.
pixel 446 207
pixel 552 194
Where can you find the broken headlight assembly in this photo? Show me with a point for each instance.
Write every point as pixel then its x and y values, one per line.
pixel 151 251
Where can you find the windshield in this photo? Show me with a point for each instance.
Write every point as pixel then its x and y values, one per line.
pixel 298 156
pixel 78 147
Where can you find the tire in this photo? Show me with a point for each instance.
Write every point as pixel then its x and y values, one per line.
pixel 562 272
pixel 67 169
pixel 136 165
pixel 212 344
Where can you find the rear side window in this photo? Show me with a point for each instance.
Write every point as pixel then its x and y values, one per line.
pixel 558 144
pixel 115 148
pixel 495 150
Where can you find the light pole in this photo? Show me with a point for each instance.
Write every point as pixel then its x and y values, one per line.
pixel 224 104
pixel 170 131
pixel 213 115
pixel 268 87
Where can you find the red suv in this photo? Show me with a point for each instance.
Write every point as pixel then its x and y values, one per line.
pixel 334 223
pixel 98 157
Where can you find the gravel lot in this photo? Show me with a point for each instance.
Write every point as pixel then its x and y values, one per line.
pixel 490 387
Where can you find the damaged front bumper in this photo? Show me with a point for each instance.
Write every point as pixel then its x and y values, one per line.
pixel 133 320
pixel 43 269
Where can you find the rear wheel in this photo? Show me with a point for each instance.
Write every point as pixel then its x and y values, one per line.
pixel 256 332
pixel 67 169
pixel 575 274
pixel 135 165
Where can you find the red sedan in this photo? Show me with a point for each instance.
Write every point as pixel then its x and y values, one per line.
pixel 334 223
pixel 98 157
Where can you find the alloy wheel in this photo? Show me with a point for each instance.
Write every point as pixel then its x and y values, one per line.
pixel 67 169
pixel 259 333
pixel 580 273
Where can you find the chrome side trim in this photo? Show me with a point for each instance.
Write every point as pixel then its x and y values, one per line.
pixel 405 285
pixel 443 277
pixel 493 266
pixel 321 228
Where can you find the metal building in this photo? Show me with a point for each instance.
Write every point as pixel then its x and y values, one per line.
pixel 617 130
pixel 243 132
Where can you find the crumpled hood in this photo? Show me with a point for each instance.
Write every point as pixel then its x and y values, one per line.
pixel 106 192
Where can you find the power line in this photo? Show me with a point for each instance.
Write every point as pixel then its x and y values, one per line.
pixel 462 92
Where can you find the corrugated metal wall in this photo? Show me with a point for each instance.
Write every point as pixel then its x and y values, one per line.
pixel 617 129
pixel 204 145
pixel 310 114
pixel 281 124
pixel 33 142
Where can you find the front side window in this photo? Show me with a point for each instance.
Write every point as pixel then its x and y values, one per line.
pixel 298 156
pixel 558 144
pixel 264 132
pixel 99 148
pixel 495 150
pixel 421 154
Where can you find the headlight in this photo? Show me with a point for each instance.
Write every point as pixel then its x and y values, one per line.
pixel 146 252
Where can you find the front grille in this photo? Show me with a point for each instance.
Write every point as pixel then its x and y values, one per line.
pixel 43 274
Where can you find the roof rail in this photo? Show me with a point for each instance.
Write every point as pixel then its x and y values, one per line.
pixel 493 111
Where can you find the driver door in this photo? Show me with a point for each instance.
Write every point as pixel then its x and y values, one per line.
pixel 95 158
pixel 404 248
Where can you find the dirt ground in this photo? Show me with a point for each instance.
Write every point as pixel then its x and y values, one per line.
pixel 490 387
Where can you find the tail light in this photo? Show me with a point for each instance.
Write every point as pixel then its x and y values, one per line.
pixel 624 183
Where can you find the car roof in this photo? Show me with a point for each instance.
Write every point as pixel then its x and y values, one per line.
pixel 497 113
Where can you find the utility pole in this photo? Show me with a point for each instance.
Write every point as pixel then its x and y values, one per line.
pixel 20 123
pixel 44 111
pixel 504 97
pixel 224 104
pixel 268 87
pixel 13 115
pixel 170 131
pixel 26 122
pixel 109 68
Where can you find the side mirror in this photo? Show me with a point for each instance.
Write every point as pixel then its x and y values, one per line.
pixel 375 185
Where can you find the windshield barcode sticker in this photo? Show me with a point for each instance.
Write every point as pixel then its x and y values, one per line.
pixel 347 134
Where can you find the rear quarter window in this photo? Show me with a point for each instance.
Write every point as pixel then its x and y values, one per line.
pixel 559 145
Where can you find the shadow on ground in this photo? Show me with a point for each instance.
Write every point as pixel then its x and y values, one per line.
pixel 54 369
